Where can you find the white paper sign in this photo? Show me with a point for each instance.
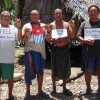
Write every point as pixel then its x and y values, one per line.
pixel 7 34
pixel 93 34
pixel 59 33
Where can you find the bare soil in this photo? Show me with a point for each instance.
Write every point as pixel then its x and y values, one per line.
pixel 74 85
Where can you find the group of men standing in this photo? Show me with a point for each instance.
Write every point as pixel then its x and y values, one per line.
pixel 58 33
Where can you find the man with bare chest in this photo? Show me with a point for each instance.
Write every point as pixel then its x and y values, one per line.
pixel 59 34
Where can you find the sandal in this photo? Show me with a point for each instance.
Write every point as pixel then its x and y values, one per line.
pixel 67 92
pixel 98 95
pixel 12 98
pixel 43 95
pixel 53 92
pixel 27 96
pixel 85 92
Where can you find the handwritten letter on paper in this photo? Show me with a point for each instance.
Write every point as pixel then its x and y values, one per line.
pixel 93 34
pixel 6 34
pixel 59 33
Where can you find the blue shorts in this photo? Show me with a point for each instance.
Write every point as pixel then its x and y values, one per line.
pixel 38 65
pixel 90 63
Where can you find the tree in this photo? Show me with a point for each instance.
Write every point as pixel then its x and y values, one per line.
pixel 20 6
pixel 10 6
pixel 5 4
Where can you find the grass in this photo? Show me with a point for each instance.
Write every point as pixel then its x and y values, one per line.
pixel 19 51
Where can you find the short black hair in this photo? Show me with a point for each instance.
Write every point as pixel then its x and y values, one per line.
pixel 93 5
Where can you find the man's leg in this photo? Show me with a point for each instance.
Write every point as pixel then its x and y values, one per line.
pixel 40 81
pixel 66 91
pixel 40 92
pixel 98 74
pixel 0 83
pixel 54 83
pixel 64 84
pixel 88 80
pixel 27 88
pixel 27 95
pixel 30 64
pixel 10 86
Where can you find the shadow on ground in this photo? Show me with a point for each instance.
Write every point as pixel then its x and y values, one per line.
pixel 61 96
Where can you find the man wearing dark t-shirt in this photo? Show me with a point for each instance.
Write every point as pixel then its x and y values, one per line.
pixel 91 47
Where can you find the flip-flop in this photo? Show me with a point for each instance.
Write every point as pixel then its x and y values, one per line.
pixel 12 98
pixel 98 95
pixel 85 92
pixel 67 92
pixel 27 96
pixel 43 95
pixel 53 92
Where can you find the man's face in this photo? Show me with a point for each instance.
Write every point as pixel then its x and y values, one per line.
pixel 5 18
pixel 58 15
pixel 34 16
pixel 93 13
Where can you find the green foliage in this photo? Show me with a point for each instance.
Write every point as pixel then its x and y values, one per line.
pixel 5 4
pixel 10 6
pixel 19 51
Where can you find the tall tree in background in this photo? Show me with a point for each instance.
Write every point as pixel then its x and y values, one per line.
pixel 20 6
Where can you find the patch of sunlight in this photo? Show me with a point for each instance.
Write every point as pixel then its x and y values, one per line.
pixel 19 51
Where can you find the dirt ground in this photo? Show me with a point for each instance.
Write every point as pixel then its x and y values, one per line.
pixel 74 85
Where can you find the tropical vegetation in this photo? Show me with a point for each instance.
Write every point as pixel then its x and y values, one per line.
pixel 8 5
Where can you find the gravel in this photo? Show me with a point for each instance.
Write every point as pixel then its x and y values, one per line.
pixel 74 85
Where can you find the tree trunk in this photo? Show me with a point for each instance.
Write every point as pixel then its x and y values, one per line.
pixel 20 6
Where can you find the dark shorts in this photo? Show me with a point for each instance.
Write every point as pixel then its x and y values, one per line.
pixel 60 60
pixel 38 65
pixel 90 63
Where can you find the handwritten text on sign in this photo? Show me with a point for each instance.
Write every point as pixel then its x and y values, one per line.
pixel 6 34
pixel 59 33
pixel 93 34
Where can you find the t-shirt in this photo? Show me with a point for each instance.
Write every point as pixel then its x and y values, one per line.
pixel 35 42
pixel 93 50
pixel 7 47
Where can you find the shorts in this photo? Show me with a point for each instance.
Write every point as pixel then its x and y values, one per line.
pixel 38 65
pixel 7 71
pixel 90 63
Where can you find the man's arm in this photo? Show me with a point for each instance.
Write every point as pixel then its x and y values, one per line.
pixel 26 31
pixel 72 29
pixel 89 42
pixel 80 37
pixel 48 35
pixel 18 22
